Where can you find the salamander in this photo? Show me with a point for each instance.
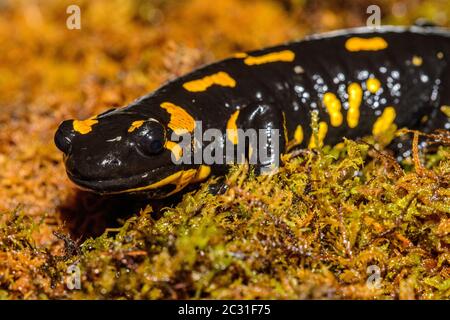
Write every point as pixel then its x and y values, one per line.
pixel 358 81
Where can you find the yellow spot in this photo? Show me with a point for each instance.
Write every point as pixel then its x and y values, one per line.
pixel 333 105
pixel 135 125
pixel 175 148
pixel 84 126
pixel 298 134
pixel 322 133
pixel 365 44
pixel 180 121
pixel 384 122
pixel 240 55
pixel 446 110
pixel 232 133
pixel 373 85
pixel 417 61
pixel 354 100
pixel 281 56
pixel 203 172
pixel 220 78
pixel 440 55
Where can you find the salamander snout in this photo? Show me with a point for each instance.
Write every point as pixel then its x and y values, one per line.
pixel 64 135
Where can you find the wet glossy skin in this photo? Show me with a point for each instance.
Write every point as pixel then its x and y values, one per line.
pixel 359 81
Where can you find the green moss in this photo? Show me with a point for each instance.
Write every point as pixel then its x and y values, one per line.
pixel 309 231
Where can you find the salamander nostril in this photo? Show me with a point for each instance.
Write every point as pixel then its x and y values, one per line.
pixel 64 135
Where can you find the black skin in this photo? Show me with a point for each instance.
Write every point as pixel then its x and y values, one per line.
pixel 262 94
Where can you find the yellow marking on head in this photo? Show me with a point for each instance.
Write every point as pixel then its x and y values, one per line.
pixel 84 126
pixel 440 55
pixel 446 110
pixel 220 78
pixel 175 148
pixel 384 122
pixel 135 125
pixel 321 134
pixel 281 56
pixel 180 121
pixel 232 133
pixel 163 182
pixel 373 85
pixel 203 172
pixel 417 61
pixel 333 105
pixel 354 100
pixel 365 44
pixel 180 179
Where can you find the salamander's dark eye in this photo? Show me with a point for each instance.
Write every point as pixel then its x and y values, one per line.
pixel 150 138
pixel 156 146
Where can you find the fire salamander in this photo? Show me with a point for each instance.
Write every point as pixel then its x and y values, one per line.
pixel 360 82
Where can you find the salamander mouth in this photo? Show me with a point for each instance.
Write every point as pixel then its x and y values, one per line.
pixel 129 184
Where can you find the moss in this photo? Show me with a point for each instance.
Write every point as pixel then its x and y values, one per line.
pixel 309 231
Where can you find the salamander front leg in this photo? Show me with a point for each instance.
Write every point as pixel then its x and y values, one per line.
pixel 266 123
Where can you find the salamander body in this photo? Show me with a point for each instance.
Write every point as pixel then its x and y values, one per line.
pixel 360 82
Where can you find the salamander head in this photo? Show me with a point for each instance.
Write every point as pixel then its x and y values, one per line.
pixel 121 152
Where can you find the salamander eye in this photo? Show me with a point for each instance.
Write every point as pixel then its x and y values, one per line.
pixel 151 138
pixel 155 147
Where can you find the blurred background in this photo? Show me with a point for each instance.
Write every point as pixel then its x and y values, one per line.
pixel 123 50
